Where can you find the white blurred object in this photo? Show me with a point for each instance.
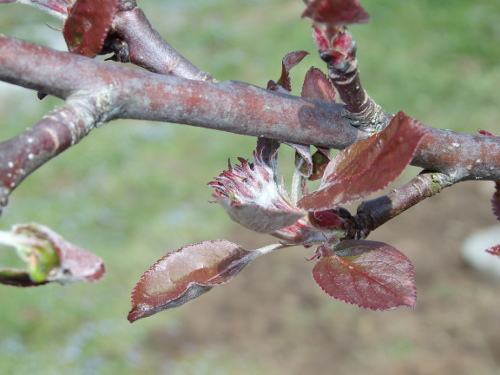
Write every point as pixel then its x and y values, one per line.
pixel 474 254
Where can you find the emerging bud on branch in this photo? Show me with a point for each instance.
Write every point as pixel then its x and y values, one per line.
pixel 327 219
pixel 253 198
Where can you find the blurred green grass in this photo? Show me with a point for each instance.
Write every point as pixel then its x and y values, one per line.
pixel 131 191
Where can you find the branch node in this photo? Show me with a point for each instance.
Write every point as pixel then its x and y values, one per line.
pixel 370 120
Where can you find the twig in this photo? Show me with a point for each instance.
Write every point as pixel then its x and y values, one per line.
pixel 147 49
pixel 229 106
pixel 374 213
pixel 60 129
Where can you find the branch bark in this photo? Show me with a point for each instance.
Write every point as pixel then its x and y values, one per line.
pixel 115 92
pixel 60 129
pixel 376 212
pixel 147 49
pixel 344 73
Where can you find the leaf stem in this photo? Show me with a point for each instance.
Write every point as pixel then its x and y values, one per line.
pixel 17 240
pixel 270 248
pixel 8 239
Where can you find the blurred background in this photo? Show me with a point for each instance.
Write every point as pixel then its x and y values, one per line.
pixel 133 191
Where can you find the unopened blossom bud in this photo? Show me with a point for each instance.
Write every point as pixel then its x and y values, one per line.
pixel 253 198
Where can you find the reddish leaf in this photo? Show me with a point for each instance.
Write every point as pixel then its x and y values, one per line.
pixel 56 8
pixel 303 158
pixel 495 250
pixel 289 61
pixel 267 149
pixel 495 201
pixel 293 58
pixel 261 218
pixel 326 219
pixel 484 132
pixel 75 264
pixel 302 233
pixel 368 274
pixel 185 274
pixel 317 86
pixel 88 24
pixel 336 12
pixel 367 166
pixel 329 18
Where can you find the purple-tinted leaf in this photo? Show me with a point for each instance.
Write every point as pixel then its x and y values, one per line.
pixel 317 86
pixel 260 218
pixel 336 12
pixel 368 165
pixel 56 8
pixel 304 151
pixel 267 149
pixel 495 250
pixel 251 196
pixel 302 233
pixel 303 158
pixel 59 6
pixel 329 18
pixel 75 264
pixel 293 58
pixel 326 219
pixel 49 257
pixel 495 201
pixel 484 132
pixel 289 61
pixel 368 274
pixel 185 274
pixel 88 24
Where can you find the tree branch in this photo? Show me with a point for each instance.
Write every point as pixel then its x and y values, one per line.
pixel 147 49
pixel 60 129
pixel 229 106
pixel 343 72
pixel 376 212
